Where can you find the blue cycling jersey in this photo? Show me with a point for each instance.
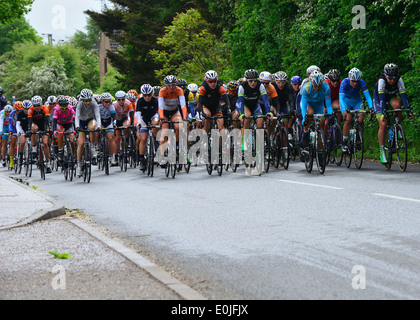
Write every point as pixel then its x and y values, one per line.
pixel 347 92
pixel 317 100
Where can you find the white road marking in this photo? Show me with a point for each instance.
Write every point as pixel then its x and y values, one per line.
pixel 311 184
pixel 396 197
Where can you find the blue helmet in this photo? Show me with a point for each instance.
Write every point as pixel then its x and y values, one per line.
pixel 296 79
pixel 146 89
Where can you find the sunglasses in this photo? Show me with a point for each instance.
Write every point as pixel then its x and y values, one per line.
pixel 211 81
pixel 391 77
pixel 265 82
pixel 252 80
pixel 296 84
pixel 121 99
pixel 64 107
pixel 87 100
pixel 147 95
pixel 106 101
pixel 171 85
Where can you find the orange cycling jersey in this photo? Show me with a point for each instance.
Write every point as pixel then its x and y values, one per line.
pixel 171 100
pixel 123 111
pixel 271 91
pixel 38 115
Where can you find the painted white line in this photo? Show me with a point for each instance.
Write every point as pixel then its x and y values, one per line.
pixel 183 290
pixel 396 197
pixel 310 184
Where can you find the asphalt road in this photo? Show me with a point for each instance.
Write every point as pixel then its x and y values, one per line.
pixel 287 234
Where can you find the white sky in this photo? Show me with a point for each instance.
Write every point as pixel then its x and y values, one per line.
pixel 61 18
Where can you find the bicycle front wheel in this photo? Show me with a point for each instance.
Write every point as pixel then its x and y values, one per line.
pixel 321 151
pixel 358 147
pixel 401 147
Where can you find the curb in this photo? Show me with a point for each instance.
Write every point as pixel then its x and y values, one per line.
pixel 43 214
pixel 156 272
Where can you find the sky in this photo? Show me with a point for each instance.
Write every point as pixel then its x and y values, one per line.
pixel 61 18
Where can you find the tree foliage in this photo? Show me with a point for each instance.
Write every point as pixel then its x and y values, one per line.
pixel 16 31
pixel 190 49
pixel 13 9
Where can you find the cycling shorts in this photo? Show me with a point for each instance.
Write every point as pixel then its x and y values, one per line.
pixel 5 132
pixel 354 104
pixel 256 110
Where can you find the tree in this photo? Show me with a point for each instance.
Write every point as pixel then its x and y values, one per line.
pixel 190 49
pixel 138 25
pixel 12 9
pixel 86 40
pixel 16 31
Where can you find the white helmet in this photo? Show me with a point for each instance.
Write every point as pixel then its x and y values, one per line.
pixel 280 76
pixel 36 100
pixel 86 94
pixel 211 75
pixel 312 69
pixel 51 99
pixel 106 96
pixel 146 89
pixel 192 87
pixel 120 95
pixel 265 76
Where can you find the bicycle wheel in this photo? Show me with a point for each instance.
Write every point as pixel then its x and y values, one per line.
pixel 87 163
pixel 209 165
pixel 401 147
pixel 337 143
pixel 41 163
pixel 283 148
pixel 105 156
pixel 150 156
pixel 308 154
pixel 267 151
pixel 348 155
pixel 321 151
pixel 358 147
pixel 65 162
pixel 220 164
pixel 28 160
pixel 71 163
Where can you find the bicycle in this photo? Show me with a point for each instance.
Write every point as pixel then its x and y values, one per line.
pixel 355 141
pixel 294 144
pixel 87 156
pixel 103 154
pixel 172 166
pixel 68 162
pixel 40 153
pixel 219 165
pixel 396 141
pixel 123 152
pixel 150 150
pixel 334 141
pixel 317 145
pixel 233 144
pixel 281 143
pixel 256 150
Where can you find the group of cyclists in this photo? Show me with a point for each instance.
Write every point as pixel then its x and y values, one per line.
pixel 262 94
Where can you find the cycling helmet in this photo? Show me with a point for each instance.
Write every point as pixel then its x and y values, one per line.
pixel 97 98
pixel 73 101
pixel 355 74
pixel 18 105
pixel 133 92
pixel 316 78
pixel 169 79
pixel 334 75
pixel 265 76
pixel 86 94
pixel 1 90
pixel 130 97
pixel 156 90
pixel 36 101
pixel 211 75
pixel 241 81
pixel 192 87
pixel 62 101
pixel 233 85
pixel 182 83
pixel 296 79
pixel 312 69
pixel 26 104
pixel 51 99
pixel 120 95
pixel 251 74
pixel 391 70
pixel 106 96
pixel 280 76
pixel 146 89
pixel 8 108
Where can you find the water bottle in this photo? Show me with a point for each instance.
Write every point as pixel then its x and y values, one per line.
pixel 312 137
pixel 390 134
pixel 352 132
